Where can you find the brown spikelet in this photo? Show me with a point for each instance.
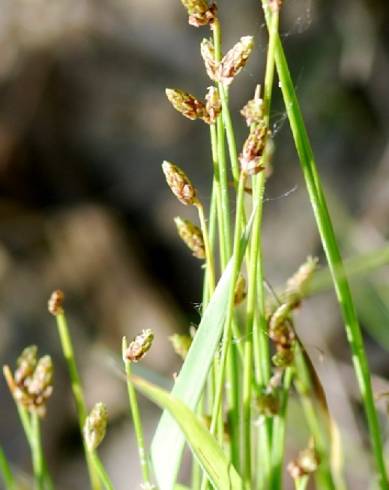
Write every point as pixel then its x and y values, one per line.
pixel 188 105
pixel 180 184
pixel 235 60
pixel 138 348
pixel 192 236
pixel 55 302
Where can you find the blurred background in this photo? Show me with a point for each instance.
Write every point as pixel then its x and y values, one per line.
pixel 84 127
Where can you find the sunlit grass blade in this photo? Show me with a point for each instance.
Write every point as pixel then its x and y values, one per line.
pixel 168 443
pixel 204 446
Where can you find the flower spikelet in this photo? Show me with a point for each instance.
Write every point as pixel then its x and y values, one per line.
pixel 192 236
pixel 95 426
pixel 200 14
pixel 252 152
pixel 235 60
pixel 138 348
pixel 180 184
pixel 207 50
pixel 55 302
pixel 32 382
pixel 213 104
pixel 253 111
pixel 188 105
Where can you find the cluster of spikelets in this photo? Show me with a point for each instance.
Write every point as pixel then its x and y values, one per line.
pixel 31 385
pixel 257 145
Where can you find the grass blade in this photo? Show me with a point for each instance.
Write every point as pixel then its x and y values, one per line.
pixel 168 442
pixel 204 446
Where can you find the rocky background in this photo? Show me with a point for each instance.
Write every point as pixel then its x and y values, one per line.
pixel 84 127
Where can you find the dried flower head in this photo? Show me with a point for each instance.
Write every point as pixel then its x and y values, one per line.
pixel 180 184
pixel 283 358
pixel 181 344
pixel 213 104
pixel 200 14
pixel 56 302
pixel 188 105
pixel 207 50
pixel 282 334
pixel 240 290
pixel 306 463
pixel 26 363
pixel 32 383
pixel 297 284
pixel 275 5
pixel 268 404
pixel 192 236
pixel 139 346
pixel 95 426
pixel 234 60
pixel 250 158
pixel 253 111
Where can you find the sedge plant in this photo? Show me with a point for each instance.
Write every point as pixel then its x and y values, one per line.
pixel 244 362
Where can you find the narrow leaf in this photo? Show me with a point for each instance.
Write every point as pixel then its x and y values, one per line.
pixel 204 446
pixel 168 443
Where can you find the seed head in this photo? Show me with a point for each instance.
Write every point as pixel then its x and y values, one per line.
pixel 139 346
pixel 253 111
pixel 250 158
pixel 199 12
pixel 268 404
pixel 306 463
pixel 26 364
pixel 282 335
pixel 180 184
pixel 188 105
pixel 95 426
pixel 56 302
pixel 192 236
pixel 279 316
pixel 213 104
pixel 283 358
pixel 181 344
pixel 32 383
pixel 207 50
pixel 297 284
pixel 234 60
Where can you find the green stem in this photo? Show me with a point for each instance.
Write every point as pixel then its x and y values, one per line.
pixel 301 483
pixel 136 417
pixel 6 472
pixel 255 295
pixel 332 252
pixel 279 430
pixel 101 471
pixel 230 307
pixel 68 352
pixel 208 250
pixel 37 455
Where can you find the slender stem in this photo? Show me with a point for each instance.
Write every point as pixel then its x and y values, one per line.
pixel 279 430
pixel 230 306
pixel 101 471
pixel 37 455
pixel 208 250
pixel 75 380
pixel 301 483
pixel 136 417
pixel 6 472
pixel 255 295
pixel 332 252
